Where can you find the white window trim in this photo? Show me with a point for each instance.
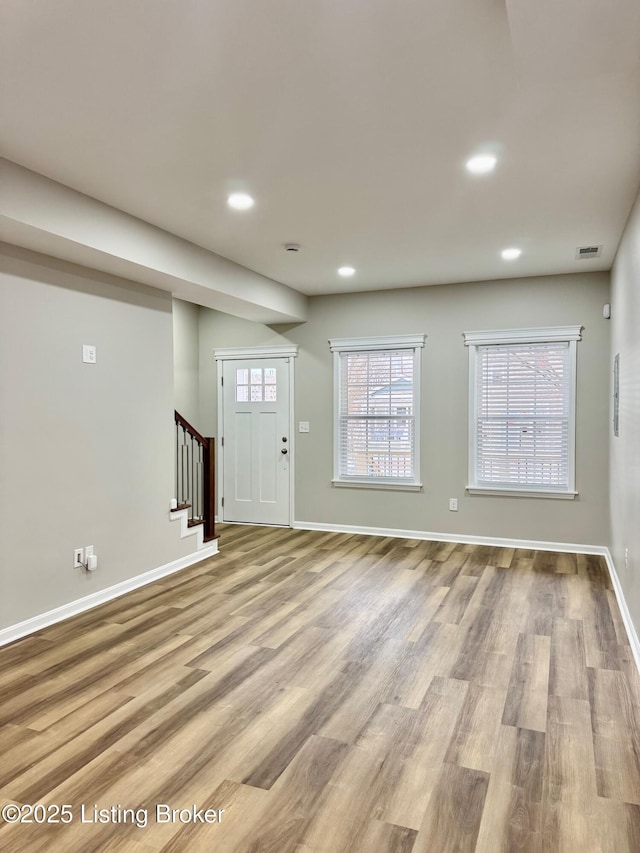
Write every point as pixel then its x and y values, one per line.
pixel 570 334
pixel 377 484
pixel 235 353
pixel 377 343
pixel 520 492
pixel 371 344
pixel 529 336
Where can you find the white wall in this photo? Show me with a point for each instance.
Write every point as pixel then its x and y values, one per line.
pixel 186 355
pixel 625 449
pixel 86 451
pixel 443 313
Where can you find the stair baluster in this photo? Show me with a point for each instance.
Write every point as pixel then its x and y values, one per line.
pixel 195 476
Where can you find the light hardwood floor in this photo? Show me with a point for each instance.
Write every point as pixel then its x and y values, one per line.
pixel 335 693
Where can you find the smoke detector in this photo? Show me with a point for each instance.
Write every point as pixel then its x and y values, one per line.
pixel 586 252
pixel 292 247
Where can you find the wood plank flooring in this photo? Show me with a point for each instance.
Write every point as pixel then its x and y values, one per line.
pixel 333 693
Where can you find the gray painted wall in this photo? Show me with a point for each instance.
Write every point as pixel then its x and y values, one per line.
pixel 186 354
pixel 625 449
pixel 86 451
pixel 443 313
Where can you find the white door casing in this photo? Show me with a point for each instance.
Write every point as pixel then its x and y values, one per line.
pixel 255 426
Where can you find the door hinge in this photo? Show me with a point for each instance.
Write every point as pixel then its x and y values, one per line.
pixel 222 501
pixel 222 442
pixel 222 380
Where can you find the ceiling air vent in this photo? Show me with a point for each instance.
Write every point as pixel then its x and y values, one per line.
pixel 585 252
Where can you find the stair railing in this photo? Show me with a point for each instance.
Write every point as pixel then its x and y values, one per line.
pixel 195 476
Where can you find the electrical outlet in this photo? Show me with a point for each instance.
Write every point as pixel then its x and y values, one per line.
pixel 78 558
pixel 453 504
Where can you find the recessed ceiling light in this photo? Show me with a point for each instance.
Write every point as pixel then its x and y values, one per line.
pixel 511 254
pixel 346 272
pixel 240 201
pixel 481 164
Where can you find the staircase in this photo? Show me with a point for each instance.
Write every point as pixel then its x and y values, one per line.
pixel 195 478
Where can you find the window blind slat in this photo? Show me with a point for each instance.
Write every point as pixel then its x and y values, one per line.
pixel 376 431
pixel 522 404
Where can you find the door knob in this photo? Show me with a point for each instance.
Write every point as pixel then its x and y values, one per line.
pixel 284 451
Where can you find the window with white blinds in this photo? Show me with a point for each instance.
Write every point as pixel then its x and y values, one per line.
pixel 377 411
pixel 522 411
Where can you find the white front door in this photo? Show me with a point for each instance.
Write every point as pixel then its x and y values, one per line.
pixel 257 444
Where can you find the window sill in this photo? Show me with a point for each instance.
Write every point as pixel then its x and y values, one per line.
pixel 520 493
pixel 373 484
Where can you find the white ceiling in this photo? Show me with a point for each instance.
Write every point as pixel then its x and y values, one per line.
pixel 349 122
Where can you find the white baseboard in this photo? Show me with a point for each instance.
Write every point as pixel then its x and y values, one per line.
pixel 630 628
pixel 533 545
pixel 65 611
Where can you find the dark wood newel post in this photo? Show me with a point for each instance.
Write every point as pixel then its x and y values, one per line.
pixel 210 489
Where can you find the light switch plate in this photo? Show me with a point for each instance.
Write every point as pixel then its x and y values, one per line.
pixel 88 354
